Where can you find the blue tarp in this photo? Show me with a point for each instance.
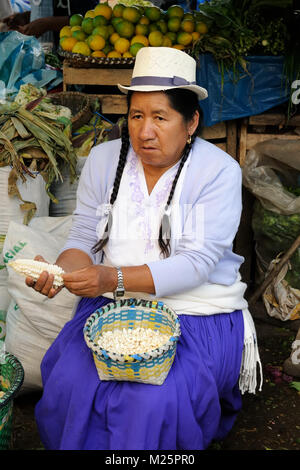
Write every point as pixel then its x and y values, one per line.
pixel 22 60
pixel 263 88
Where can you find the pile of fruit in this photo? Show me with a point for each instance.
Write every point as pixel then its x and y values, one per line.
pixel 120 31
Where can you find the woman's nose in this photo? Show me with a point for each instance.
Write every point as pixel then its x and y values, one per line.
pixel 147 129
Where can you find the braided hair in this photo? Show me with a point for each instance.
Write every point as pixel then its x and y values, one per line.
pixel 186 103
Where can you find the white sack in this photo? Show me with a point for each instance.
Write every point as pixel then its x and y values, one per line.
pixel 32 190
pixel 33 321
pixel 65 192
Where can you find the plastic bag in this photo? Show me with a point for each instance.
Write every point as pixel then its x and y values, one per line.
pixel 271 167
pixel 272 174
pixel 22 60
pixel 280 299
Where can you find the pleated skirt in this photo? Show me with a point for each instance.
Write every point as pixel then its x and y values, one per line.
pixel 197 404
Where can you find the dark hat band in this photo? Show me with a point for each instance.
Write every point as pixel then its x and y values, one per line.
pixel 160 81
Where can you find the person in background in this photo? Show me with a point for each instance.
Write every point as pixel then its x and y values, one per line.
pixel 47 17
pixel 157 212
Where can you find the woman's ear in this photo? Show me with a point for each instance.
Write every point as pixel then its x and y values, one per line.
pixel 193 123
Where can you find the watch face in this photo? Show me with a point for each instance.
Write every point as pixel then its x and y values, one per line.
pixel 119 293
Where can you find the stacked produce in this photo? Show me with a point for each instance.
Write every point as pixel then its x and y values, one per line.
pixel 122 30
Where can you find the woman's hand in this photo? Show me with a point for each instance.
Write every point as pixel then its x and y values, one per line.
pixel 44 284
pixel 91 281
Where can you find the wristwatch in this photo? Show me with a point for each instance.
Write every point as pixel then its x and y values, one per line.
pixel 120 291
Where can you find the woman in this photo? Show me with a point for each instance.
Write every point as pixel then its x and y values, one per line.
pixel 164 205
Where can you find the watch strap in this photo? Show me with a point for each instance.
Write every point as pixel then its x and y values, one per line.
pixel 120 291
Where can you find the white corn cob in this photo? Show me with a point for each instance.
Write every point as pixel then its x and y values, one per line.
pixel 32 268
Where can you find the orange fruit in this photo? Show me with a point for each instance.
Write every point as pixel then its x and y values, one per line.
pixel 118 10
pixel 65 31
pixel 96 42
pixel 156 38
pixel 102 31
pixel 114 54
pixel 98 54
pixel 188 26
pixel 125 29
pixel 162 26
pixel 178 46
pixel 141 39
pixel 184 38
pixel 67 43
pixel 174 24
pixel 152 13
pixel 142 29
pixel 175 11
pixel 201 27
pixel 113 38
pixel 172 35
pixel 153 27
pixel 144 20
pixel 79 35
pixel 121 45
pixel 89 14
pixel 81 47
pixel 167 42
pixel 127 54
pixel 99 21
pixel 76 20
pixel 131 14
pixel 103 9
pixel 134 48
pixel 87 25
pixel 195 35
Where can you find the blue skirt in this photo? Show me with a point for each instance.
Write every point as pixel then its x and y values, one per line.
pixel 197 403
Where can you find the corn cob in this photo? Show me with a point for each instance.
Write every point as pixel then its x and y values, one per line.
pixel 32 268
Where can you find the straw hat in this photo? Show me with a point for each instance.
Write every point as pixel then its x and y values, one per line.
pixel 164 68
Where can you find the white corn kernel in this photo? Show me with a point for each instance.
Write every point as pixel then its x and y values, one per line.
pixel 32 268
pixel 132 341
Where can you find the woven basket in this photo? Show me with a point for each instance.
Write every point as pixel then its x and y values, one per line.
pixel 78 103
pixel 12 376
pixel 81 61
pixel 151 367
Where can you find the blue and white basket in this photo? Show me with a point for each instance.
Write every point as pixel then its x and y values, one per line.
pixel 153 366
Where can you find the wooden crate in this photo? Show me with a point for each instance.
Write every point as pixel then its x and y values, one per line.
pixel 111 103
pixel 253 130
pixel 223 135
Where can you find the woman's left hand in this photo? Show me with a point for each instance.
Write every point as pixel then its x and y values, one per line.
pixel 91 281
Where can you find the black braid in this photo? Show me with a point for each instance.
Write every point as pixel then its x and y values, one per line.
pixel 165 228
pixel 120 168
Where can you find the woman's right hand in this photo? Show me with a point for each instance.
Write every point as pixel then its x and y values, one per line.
pixel 44 284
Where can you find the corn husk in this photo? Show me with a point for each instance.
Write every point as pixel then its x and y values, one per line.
pixel 30 143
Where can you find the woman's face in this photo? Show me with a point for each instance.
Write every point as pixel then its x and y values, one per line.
pixel 158 133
